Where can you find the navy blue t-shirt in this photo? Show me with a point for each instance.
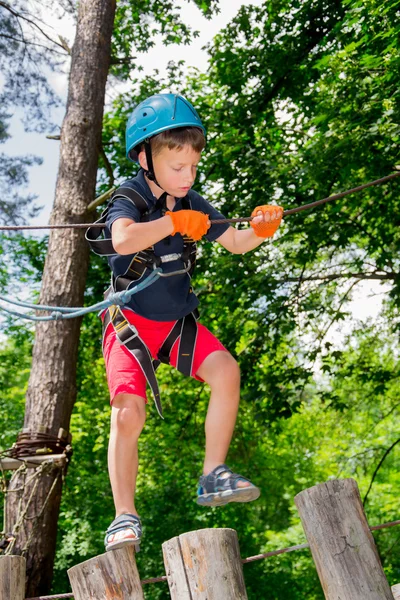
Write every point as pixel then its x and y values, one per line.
pixel 168 298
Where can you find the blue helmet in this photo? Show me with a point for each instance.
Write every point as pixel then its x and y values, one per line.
pixel 156 114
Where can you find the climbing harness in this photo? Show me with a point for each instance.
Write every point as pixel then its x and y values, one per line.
pixel 185 329
pixel 145 259
pixel 141 263
pixel 133 281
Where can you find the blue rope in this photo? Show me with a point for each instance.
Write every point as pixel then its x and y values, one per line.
pixel 64 312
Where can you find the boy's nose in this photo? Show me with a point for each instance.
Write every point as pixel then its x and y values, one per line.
pixel 189 178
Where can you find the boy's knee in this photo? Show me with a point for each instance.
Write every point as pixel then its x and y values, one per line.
pixel 232 367
pixel 220 366
pixel 128 414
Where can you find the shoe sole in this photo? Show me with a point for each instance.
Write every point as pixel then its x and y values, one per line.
pixel 122 544
pixel 246 494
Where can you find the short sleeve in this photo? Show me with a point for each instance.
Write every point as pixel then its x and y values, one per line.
pixel 122 209
pixel 216 230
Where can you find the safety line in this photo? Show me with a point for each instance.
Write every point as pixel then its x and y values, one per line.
pixel 60 313
pixel 244 561
pixel 290 211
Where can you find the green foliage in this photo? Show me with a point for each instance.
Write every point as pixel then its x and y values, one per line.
pixel 301 100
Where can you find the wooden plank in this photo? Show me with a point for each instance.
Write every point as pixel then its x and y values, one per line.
pixel 109 576
pixel 31 461
pixel 12 577
pixel 341 543
pixel 212 566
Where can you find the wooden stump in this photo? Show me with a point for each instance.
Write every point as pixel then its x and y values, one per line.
pixel 341 543
pixel 205 565
pixel 12 577
pixel 112 575
pixel 396 591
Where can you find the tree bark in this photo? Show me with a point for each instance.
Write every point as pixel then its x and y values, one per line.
pixel 52 388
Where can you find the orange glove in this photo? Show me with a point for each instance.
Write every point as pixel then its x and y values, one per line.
pixel 192 223
pixel 266 229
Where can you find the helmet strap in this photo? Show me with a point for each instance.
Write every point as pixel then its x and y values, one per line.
pixel 150 167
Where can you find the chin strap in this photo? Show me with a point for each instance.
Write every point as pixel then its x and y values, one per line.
pixel 150 167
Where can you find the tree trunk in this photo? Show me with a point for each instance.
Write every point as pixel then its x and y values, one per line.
pixel 52 389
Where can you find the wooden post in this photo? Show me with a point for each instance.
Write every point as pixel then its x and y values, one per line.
pixel 12 577
pixel 110 575
pixel 396 591
pixel 205 565
pixel 341 543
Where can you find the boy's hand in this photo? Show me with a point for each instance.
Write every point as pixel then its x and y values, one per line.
pixel 266 220
pixel 192 223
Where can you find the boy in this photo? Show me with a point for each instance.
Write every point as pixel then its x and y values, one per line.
pixel 153 220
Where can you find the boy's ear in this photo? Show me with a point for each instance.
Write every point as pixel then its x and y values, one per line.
pixel 143 160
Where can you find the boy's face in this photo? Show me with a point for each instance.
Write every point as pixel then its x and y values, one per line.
pixel 175 169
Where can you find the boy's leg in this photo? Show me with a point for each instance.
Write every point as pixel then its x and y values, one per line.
pixel 221 372
pixel 128 414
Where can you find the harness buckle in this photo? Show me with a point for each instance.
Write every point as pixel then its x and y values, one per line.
pixel 170 257
pixel 180 272
pixel 121 336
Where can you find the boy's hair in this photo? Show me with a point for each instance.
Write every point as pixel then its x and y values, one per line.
pixel 178 138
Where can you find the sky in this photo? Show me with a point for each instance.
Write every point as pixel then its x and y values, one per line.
pixel 366 304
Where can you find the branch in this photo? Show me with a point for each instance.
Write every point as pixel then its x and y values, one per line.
pixel 29 43
pixel 107 166
pixel 122 61
pixel 100 199
pixel 333 276
pixel 378 467
pixel 30 21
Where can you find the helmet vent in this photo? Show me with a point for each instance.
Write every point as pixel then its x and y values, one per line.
pixel 145 114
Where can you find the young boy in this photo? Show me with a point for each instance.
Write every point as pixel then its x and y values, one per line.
pixel 152 222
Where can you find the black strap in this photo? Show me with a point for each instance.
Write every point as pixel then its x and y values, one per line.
pixel 187 345
pixel 127 335
pixel 103 246
pixel 186 328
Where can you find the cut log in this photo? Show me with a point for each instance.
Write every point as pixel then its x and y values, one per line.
pixel 205 565
pixel 111 575
pixel 12 577
pixel 396 591
pixel 341 543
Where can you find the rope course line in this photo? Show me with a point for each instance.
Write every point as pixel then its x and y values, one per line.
pixel 64 312
pixel 244 561
pixel 290 211
pixel 120 298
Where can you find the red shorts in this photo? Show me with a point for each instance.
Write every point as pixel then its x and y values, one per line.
pixel 124 374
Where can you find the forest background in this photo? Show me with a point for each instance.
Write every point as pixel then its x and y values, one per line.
pixel 300 100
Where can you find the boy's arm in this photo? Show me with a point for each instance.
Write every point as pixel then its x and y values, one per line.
pixel 129 237
pixel 240 241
